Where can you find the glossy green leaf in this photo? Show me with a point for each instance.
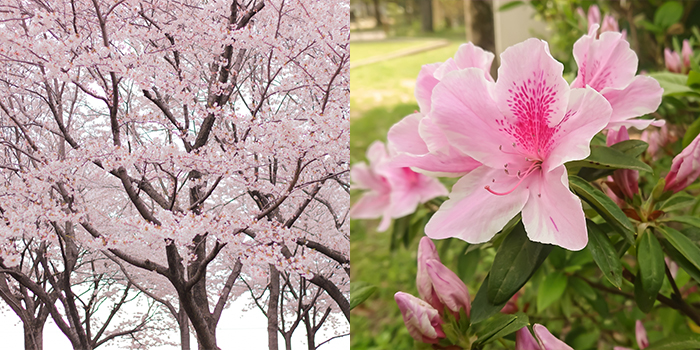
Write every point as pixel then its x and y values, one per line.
pixel 604 254
pixel 689 220
pixel 668 14
pixel 467 264
pixel 645 301
pixel 550 290
pixel 683 245
pixel 679 200
pixel 650 259
pixel 691 133
pixel 682 262
pixel 605 206
pixel 632 148
pixel 359 292
pixel 516 260
pixel 511 5
pixel 482 308
pixel 673 83
pixel 693 78
pixel 677 342
pixel 499 326
pixel 400 230
pixel 603 157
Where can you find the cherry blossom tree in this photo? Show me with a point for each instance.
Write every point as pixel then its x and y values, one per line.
pixel 181 138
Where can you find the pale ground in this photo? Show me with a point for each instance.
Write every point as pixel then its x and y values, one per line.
pixel 237 330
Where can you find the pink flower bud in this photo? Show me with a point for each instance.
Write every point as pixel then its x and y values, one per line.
pixel 627 180
pixel 545 340
pixel 426 251
pixel 593 16
pixel 609 24
pixel 687 53
pixel 673 61
pixel 685 167
pixel 641 335
pixel 672 266
pixel 422 320
pixel 449 287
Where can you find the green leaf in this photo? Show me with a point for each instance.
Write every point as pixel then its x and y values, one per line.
pixel 400 231
pixel 677 342
pixel 582 288
pixel 689 220
pixel 603 157
pixel 359 292
pixel 602 204
pixel 467 264
pixel 693 78
pixel 673 83
pixel 482 308
pixel 550 290
pixel 650 259
pixel 691 133
pixel 516 260
pixel 499 326
pixel 679 200
pixel 632 148
pixel 604 254
pixel 683 245
pixel 650 26
pixel 645 301
pixel 668 14
pixel 510 5
pixel 682 262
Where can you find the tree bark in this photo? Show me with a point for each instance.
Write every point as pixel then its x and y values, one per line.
pixel 272 310
pixel 426 9
pixel 184 324
pixel 377 14
pixel 34 336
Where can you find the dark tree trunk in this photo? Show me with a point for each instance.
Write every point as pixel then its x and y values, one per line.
pixel 272 312
pixel 34 336
pixel 482 28
pixel 426 10
pixel 377 13
pixel 184 324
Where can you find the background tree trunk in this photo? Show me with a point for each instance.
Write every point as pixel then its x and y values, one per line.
pixel 272 311
pixel 426 10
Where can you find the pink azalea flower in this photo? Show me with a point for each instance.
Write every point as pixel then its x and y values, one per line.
pixel 593 19
pixel 437 284
pixel 545 340
pixel 422 320
pixel 393 191
pixel 523 128
pixel 641 335
pixel 687 53
pixel 627 180
pixel 685 167
pixel 609 66
pixel 609 24
pixel 421 145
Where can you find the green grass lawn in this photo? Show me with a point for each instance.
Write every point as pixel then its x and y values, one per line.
pixel 389 83
pixel 362 50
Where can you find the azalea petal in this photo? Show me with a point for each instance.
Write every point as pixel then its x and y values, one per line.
pixel 465 111
pixel 553 214
pixel 403 203
pixel 425 83
pixel 548 341
pixel 588 113
pixel 403 136
pixel 376 153
pixel 604 62
pixel 384 224
pixel 530 86
pixel 364 178
pixel 473 213
pixel 642 96
pixel 593 15
pixel 433 136
pixel 468 56
pixel 639 124
pixel 525 341
pixel 438 165
pixel 370 206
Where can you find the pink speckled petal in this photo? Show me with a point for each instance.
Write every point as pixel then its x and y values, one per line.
pixel 642 96
pixel 604 62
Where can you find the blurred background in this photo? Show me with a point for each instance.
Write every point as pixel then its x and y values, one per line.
pixel 392 39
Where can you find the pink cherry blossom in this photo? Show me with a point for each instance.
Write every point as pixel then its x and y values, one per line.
pixel 394 191
pixel 685 167
pixel 545 340
pixel 422 320
pixel 627 180
pixel 523 128
pixel 609 66
pixel 418 142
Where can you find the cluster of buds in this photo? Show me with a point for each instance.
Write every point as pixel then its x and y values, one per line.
pixel 624 182
pixel 673 59
pixel 593 18
pixel 443 298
